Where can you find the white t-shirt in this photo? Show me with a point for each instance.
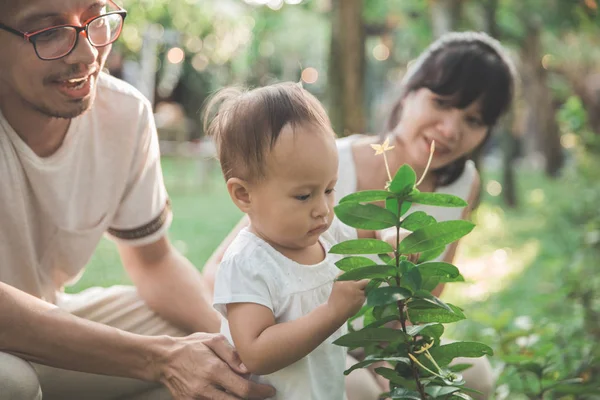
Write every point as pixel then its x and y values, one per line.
pixel 347 179
pixel 105 177
pixel 254 272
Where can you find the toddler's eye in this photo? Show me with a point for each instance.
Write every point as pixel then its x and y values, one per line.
pixel 329 191
pixel 303 197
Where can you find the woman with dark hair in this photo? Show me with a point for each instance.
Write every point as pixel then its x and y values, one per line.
pixel 453 94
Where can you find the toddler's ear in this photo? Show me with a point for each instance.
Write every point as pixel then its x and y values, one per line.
pixel 239 192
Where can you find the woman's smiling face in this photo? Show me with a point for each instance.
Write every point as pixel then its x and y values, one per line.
pixel 426 117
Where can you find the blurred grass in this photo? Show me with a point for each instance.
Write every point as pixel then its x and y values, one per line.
pixel 528 248
pixel 203 215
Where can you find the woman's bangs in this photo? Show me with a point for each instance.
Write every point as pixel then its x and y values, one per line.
pixel 469 74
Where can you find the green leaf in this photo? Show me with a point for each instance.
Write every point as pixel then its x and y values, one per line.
pixel 394 378
pixel 404 394
pixel 439 269
pixel 372 272
pixel 432 329
pixel 421 311
pixel 386 258
pixel 436 199
pixel 384 311
pixel 434 273
pixel 382 321
pixel 446 353
pixel 416 220
pixel 387 295
pixel 366 196
pixel 406 266
pixel 412 280
pixel 377 335
pixel 372 285
pixel 373 359
pixel 404 180
pixel 459 367
pixel 391 204
pixel 434 236
pixel 362 246
pixel 426 296
pixel 353 262
pixel 365 216
pixel 431 254
pixel 438 391
pixel 462 396
pixel 360 313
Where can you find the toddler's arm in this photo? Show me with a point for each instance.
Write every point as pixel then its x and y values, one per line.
pixel 266 346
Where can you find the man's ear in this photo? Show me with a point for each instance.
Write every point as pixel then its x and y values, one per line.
pixel 239 191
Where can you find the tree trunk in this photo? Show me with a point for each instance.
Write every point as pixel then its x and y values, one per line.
pixel 509 142
pixel 347 67
pixel 541 113
pixel 445 15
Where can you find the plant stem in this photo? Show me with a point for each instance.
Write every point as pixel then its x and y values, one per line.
pixel 401 306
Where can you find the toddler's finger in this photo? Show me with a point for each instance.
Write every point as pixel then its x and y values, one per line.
pixel 363 283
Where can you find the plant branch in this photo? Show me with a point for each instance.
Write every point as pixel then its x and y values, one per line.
pixel 401 306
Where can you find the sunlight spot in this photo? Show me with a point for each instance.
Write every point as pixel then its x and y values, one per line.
pixel 200 62
pixel 310 75
pixel 524 322
pixel 547 60
pixel 266 49
pixel 569 140
pixel 193 44
pixel 494 188
pixel 381 52
pixel 536 196
pixel 175 55
pixel 500 256
pixel 275 4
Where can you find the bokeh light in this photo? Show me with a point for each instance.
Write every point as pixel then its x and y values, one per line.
pixel 310 75
pixel 569 140
pixel 381 52
pixel 175 55
pixel 494 188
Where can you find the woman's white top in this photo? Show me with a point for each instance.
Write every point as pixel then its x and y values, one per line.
pixel 347 181
pixel 252 271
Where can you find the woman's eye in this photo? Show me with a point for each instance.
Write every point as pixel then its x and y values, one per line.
pixel 442 103
pixel 474 121
pixel 302 197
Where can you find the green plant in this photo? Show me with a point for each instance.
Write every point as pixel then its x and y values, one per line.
pixel 400 288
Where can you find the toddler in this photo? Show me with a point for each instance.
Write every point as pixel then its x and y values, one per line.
pixel 276 283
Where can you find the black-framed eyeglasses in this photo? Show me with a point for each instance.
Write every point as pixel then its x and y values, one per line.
pixel 59 41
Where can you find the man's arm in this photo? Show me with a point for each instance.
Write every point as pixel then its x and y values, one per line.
pixel 199 366
pixel 40 332
pixel 170 285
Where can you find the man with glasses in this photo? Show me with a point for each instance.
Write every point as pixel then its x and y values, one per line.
pixel 78 159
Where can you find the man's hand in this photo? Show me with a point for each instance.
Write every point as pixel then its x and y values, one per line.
pixel 205 367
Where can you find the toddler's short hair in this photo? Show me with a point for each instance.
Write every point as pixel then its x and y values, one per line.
pixel 246 124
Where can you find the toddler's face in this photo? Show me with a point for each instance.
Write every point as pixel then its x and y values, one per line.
pixel 293 205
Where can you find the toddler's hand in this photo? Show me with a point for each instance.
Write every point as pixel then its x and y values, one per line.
pixel 347 297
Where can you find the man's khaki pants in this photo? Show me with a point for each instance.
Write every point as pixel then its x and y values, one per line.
pixel 118 306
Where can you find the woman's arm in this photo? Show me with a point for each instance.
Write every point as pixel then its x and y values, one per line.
pixel 466 214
